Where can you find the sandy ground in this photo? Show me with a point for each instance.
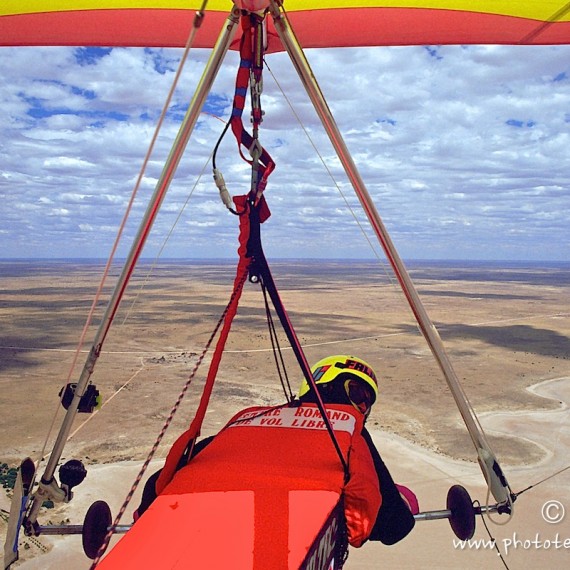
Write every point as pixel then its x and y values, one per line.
pixel 508 336
pixel 526 541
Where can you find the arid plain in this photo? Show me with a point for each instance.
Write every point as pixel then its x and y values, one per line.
pixel 505 328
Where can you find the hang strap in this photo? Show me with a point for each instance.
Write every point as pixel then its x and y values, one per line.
pixel 250 68
pixel 187 439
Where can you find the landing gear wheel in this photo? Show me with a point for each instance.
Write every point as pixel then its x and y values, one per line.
pixel 97 521
pixel 462 519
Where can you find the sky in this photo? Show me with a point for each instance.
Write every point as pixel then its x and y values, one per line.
pixel 464 149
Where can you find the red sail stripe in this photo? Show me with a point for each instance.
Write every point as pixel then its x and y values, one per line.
pixel 344 27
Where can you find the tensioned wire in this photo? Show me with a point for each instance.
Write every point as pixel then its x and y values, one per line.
pixel 137 186
pixel 555 17
pixel 236 293
pixel 331 175
pixel 135 191
pixel 467 411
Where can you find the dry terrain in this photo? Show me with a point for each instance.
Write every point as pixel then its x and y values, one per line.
pixel 505 329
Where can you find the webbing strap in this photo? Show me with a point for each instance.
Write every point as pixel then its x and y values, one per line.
pixel 189 436
pixel 241 275
pixel 251 60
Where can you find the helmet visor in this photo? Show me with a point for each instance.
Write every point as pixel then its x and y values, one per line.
pixel 361 395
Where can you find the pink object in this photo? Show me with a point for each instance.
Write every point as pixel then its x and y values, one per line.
pixel 410 499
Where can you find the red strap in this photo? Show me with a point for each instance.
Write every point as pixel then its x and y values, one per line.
pixel 177 450
pixel 250 58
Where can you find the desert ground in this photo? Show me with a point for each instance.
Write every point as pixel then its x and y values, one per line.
pixel 505 328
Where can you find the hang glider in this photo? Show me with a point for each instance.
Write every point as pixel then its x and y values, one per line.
pixel 318 23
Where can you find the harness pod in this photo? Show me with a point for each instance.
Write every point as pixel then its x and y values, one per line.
pixel 270 486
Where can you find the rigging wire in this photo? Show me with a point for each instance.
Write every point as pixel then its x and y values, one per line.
pixel 493 540
pixel 539 30
pixel 494 477
pixel 122 387
pixel 333 179
pixel 484 466
pixel 158 256
pixel 267 308
pixel 514 495
pixel 542 481
pixel 95 412
pixel 276 349
pixel 199 16
pixel 492 471
pixel 326 167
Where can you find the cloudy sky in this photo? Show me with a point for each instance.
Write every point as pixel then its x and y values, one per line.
pixel 465 150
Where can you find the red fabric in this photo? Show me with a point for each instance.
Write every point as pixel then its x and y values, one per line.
pixel 180 445
pixel 318 28
pixel 266 485
pixel 224 530
pixel 289 449
pixel 362 498
pixel 240 278
pixel 177 450
pixel 262 452
pixel 195 530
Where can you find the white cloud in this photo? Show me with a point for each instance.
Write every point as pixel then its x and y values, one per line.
pixel 464 150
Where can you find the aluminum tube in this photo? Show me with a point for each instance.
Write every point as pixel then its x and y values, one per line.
pixel 63 529
pixel 433 515
pixel 446 513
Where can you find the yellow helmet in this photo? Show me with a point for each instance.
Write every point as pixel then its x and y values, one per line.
pixel 329 368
